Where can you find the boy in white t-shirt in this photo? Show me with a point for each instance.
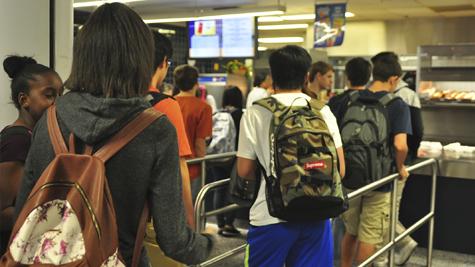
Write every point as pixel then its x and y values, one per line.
pixel 271 241
pixel 262 86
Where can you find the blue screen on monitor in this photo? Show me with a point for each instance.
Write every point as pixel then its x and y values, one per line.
pixel 233 37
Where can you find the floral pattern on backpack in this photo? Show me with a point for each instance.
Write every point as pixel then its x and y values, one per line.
pixel 51 234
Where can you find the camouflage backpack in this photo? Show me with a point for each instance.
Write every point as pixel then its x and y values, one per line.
pixel 304 182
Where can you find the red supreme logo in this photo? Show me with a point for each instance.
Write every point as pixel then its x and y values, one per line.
pixel 314 165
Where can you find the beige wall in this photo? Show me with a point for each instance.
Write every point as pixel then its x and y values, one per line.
pixel 24 28
pixel 361 38
pixel 401 36
pixel 404 36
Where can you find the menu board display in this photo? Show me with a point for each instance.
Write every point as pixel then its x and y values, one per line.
pixel 234 37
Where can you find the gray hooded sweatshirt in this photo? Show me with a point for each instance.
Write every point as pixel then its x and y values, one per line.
pixel 145 169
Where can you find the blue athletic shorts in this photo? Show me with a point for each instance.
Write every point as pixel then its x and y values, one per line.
pixel 292 244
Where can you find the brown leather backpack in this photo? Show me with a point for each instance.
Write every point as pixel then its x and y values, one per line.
pixel 69 217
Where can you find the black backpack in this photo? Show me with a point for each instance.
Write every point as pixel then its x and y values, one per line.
pixel 243 192
pixel 155 97
pixel 365 132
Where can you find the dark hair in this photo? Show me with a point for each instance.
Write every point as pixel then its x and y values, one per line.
pixel 386 55
pixel 163 48
pixel 185 77
pixel 358 71
pixel 319 67
pixel 232 97
pixel 410 78
pixel 113 54
pixel 22 70
pixel 384 69
pixel 259 77
pixel 289 66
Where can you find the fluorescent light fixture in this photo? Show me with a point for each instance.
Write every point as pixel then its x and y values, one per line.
pixel 245 12
pixel 261 48
pixel 282 27
pixel 309 16
pixel 270 19
pixel 98 3
pixel 169 20
pixel 167 31
pixel 280 40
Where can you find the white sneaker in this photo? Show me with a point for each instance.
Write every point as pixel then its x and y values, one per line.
pixel 404 253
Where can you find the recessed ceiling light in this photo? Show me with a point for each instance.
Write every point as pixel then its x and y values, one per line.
pixel 282 27
pixel 245 12
pixel 98 3
pixel 262 48
pixel 309 16
pixel 279 40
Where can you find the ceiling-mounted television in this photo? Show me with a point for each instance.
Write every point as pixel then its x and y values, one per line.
pixel 229 38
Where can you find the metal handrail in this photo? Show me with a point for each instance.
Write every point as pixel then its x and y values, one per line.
pixel 206 158
pixel 200 214
pixel 428 217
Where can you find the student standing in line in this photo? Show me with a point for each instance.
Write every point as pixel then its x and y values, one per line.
pixel 320 80
pixel 272 241
pixel 232 104
pixel 367 219
pixel 358 73
pixel 34 88
pixel 262 86
pixel 170 107
pixel 110 76
pixel 407 246
pixel 197 117
pixel 411 98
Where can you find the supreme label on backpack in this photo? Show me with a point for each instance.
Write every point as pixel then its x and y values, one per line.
pixel 319 164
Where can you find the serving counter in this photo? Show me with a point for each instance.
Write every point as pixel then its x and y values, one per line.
pixel 455 204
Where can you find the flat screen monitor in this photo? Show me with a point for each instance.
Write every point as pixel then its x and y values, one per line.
pixel 231 38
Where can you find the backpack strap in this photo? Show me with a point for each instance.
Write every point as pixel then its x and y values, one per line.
pixel 155 97
pixel 54 132
pixel 270 104
pixel 387 99
pixel 117 142
pixel 127 133
pixel 353 96
pixel 316 104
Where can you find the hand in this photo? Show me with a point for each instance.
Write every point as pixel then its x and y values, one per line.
pixel 403 173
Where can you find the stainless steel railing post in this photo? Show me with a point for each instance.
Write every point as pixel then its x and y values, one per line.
pixel 427 218
pixel 392 233
pixel 203 172
pixel 432 210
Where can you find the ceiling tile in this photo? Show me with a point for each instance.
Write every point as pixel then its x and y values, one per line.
pixel 445 2
pixel 467 13
pixel 413 12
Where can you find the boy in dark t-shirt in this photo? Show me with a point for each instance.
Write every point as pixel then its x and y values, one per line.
pixel 358 72
pixel 366 221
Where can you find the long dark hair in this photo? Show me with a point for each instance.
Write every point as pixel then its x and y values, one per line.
pixel 232 97
pixel 22 70
pixel 113 54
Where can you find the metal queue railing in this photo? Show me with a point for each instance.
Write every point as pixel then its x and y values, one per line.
pixel 201 215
